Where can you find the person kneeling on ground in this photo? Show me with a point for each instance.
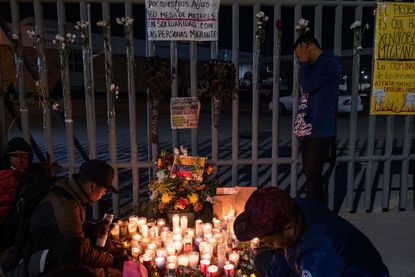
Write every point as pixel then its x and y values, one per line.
pixel 57 232
pixel 308 239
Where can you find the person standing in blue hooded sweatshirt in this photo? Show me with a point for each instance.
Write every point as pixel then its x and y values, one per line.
pixel 315 123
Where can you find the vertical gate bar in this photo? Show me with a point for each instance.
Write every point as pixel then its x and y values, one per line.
pixel 112 133
pixel 43 77
pixel 174 84
pixel 353 117
pixel 235 100
pixel 152 148
pixel 3 127
pixel 256 68
pixel 88 85
pixel 66 86
pixel 193 89
pixel 338 30
pixel 369 164
pixel 386 185
pixel 214 130
pixel 408 134
pixel 275 97
pixel 318 15
pixel 294 140
pixel 132 109
pixel 20 79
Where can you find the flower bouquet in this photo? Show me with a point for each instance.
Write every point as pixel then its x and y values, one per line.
pixel 183 183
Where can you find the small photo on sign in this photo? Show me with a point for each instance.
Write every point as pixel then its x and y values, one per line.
pixel 188 167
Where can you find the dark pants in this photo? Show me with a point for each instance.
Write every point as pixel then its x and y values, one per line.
pixel 314 153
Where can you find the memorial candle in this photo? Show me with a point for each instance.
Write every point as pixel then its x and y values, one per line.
pixel 204 264
pixel 229 270
pixel 115 232
pixel 147 260
pixel 132 228
pixel 207 228
pixel 123 228
pixel 193 259
pixel 172 259
pixel 199 228
pixel 141 220
pixel 183 223
pixel 161 252
pixel 132 219
pixel 144 230
pixel 216 223
pixel 171 269
pixel 170 251
pixel 175 221
pixel 183 260
pixel 160 262
pixel 212 271
pixel 234 258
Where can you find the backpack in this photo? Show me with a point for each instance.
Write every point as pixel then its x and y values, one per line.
pixel 34 186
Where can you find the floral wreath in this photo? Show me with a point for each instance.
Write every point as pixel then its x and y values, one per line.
pixel 156 76
pixel 222 87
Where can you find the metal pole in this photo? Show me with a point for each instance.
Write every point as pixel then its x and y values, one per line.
pixel 214 130
pixel 387 164
pixel 3 137
pixel 275 98
pixel 66 86
pixel 174 84
pixel 353 116
pixel 88 83
pixel 112 134
pixel 235 100
pixel 24 109
pixel 193 89
pixel 408 135
pixel 256 68
pixel 132 110
pixel 43 77
pixel 294 140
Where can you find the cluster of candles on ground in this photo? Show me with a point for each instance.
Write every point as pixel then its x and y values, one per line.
pixel 209 247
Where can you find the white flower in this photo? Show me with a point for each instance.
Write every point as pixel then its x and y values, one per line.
pixel 68 35
pixel 82 36
pixel 355 24
pixel 122 19
pixel 260 14
pixel 55 106
pixel 266 18
pixel 183 150
pixel 118 20
pixel 259 27
pixel 33 33
pixel 72 40
pixel 161 176
pixel 76 27
pixel 14 36
pixel 367 26
pixel 28 32
pixel 54 41
pixel 176 151
pixel 359 48
pixel 112 87
pixel 73 36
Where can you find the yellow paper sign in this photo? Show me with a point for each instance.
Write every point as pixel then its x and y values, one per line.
pixel 393 90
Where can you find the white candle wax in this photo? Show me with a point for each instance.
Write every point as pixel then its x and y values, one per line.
pixel 204 264
pixel 193 259
pixel 183 260
pixel 207 228
pixel 216 223
pixel 190 232
pixel 206 256
pixel 234 258
pixel 221 256
pixel 132 219
pixel 175 221
pixel 123 228
pixel 178 245
pixel 199 228
pixel 183 223
pixel 141 220
pixel 229 270
pixel 207 236
pixel 160 262
pixel 137 237
pixel 144 230
pixel 152 246
pixel 161 222
pixel 132 228
pixel 172 259
pixel 212 270
pixel 177 231
pixel 161 252
pixel 115 232
pixel 171 269
pixel 177 237
pixel 135 251
pixel 145 242
pixel 170 251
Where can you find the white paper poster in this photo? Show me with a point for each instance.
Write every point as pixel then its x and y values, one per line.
pixel 182 20
pixel 184 112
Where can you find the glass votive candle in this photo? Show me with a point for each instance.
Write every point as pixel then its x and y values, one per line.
pixel 199 227
pixel 145 242
pixel 170 251
pixel 160 262
pixel 216 231
pixel 133 218
pixel 141 220
pixel 136 236
pixel 161 222
pixel 135 243
pixel 229 269
pixel 175 218
pixel 212 271
pixel 204 264
pixel 171 269
pixel 177 237
pixel 144 230
pixel 187 244
pixel 172 259
pixel 206 256
pixel 165 229
pixel 183 260
pixel 196 242
pixel 178 245
pixel 207 236
pixel 177 231
pixel 207 228
pixel 219 237
pixel 161 252
pixel 152 246
pixel 147 260
pixel 234 258
pixel 135 251
pixel 212 242
pixel 123 228
pixel 193 259
pixel 132 228
pixel 216 223
pixel 150 252
pixel 183 223
pixel 115 232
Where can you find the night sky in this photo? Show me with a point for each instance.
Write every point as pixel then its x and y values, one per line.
pixel 225 23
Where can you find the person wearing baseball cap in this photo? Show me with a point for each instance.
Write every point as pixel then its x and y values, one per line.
pixel 306 238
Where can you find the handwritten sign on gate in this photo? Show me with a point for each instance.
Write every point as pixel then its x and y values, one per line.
pixel 182 20
pixel 184 112
pixel 393 89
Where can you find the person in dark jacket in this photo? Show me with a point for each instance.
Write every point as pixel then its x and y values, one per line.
pixel 315 123
pixel 18 158
pixel 57 231
pixel 308 240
